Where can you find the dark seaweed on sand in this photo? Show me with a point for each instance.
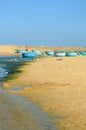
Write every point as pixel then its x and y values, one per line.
pixel 13 69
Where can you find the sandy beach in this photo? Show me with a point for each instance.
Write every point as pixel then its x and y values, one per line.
pixel 10 49
pixel 56 85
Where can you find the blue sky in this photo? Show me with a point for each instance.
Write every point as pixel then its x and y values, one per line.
pixel 43 22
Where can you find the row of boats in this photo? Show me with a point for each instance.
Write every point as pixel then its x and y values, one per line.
pixel 36 53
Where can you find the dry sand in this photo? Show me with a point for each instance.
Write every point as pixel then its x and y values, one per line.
pixel 58 86
pixel 10 49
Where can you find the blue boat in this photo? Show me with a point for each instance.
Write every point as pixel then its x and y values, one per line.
pixel 59 54
pixel 71 54
pixel 23 51
pixel 30 55
pixel 37 52
pixel 49 53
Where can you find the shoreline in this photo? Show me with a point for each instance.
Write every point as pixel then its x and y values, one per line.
pixel 57 87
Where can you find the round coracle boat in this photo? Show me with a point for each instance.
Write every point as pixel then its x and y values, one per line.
pixel 60 54
pixel 71 54
pixel 29 55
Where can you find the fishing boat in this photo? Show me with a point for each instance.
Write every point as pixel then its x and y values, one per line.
pixel 59 54
pixel 37 52
pixel 43 54
pixel 83 53
pixel 71 54
pixel 20 51
pixel 30 55
pixel 51 53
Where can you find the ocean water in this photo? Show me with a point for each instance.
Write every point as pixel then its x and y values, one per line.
pixel 7 62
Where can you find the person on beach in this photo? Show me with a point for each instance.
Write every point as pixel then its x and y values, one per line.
pixel 26 48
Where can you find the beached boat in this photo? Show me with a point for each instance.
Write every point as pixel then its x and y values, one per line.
pixel 29 55
pixel 59 54
pixel 24 51
pixel 43 54
pixel 20 51
pixel 51 53
pixel 71 54
pixel 37 52
pixel 83 53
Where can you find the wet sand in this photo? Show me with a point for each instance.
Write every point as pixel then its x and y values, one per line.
pixel 58 87
pixel 14 115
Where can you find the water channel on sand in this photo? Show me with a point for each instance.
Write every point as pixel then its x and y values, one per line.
pixel 16 113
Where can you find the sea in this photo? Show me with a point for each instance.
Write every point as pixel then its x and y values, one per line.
pixel 7 62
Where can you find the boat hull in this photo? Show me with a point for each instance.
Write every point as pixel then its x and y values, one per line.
pixel 71 54
pixel 51 53
pixel 83 53
pixel 30 55
pixel 37 52
pixel 60 54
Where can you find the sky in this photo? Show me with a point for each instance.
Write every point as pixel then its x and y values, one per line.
pixel 43 22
